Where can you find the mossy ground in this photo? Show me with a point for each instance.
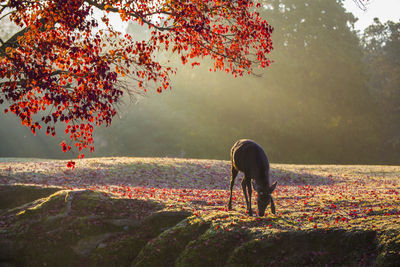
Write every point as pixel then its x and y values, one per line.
pixel 172 212
pixel 66 227
pixel 13 196
pixel 166 248
pixel 308 248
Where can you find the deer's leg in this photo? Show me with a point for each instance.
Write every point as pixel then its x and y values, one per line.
pixel 234 174
pixel 250 191
pixel 244 185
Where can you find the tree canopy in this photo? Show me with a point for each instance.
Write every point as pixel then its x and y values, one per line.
pixel 312 106
pixel 381 43
pixel 60 66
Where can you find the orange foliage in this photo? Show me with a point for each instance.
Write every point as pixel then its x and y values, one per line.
pixel 61 63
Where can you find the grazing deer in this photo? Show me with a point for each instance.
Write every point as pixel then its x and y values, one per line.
pixel 249 158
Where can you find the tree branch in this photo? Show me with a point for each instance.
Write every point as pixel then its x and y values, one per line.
pixel 22 82
pixel 5 15
pixel 12 41
pixel 361 4
pixel 135 15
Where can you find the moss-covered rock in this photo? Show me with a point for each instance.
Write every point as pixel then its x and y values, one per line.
pixel 163 220
pixel 305 248
pixel 12 196
pixel 119 250
pixel 212 248
pixel 66 227
pixel 124 248
pixel 389 247
pixel 166 248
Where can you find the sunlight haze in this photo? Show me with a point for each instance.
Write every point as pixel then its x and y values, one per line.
pixel 383 9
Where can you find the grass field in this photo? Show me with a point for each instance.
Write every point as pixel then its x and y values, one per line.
pixel 353 207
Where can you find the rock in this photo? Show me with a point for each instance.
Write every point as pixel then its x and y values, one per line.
pixel 126 223
pixel 85 246
pixel 65 227
pixel 7 264
pixel 12 196
pixel 7 250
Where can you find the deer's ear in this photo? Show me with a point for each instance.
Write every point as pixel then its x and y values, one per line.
pixel 272 188
pixel 272 206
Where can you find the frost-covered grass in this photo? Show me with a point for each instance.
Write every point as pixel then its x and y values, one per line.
pixel 316 196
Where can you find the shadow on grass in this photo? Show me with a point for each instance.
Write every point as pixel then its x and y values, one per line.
pixel 160 173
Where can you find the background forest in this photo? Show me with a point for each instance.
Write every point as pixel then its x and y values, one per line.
pixel 332 95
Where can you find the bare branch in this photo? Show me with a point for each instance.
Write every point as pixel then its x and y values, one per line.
pixel 362 4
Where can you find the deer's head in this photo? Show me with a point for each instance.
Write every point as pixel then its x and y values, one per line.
pixel 264 197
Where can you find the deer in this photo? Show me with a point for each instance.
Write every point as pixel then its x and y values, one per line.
pixel 249 157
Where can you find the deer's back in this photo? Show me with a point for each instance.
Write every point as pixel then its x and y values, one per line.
pixel 248 157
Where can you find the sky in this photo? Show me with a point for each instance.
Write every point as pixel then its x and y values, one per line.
pixel 383 9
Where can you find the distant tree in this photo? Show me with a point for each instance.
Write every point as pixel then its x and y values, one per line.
pixel 313 106
pixel 326 112
pixel 382 54
pixel 59 66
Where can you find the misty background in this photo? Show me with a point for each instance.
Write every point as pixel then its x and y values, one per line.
pixel 332 95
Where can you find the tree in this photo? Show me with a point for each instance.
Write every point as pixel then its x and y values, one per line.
pixel 312 106
pixel 329 111
pixel 60 67
pixel 382 54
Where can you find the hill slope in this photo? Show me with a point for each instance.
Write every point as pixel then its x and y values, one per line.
pixel 152 211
